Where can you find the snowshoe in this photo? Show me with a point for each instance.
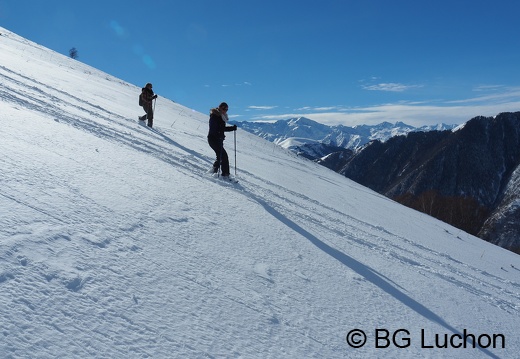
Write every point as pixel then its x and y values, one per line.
pixel 229 179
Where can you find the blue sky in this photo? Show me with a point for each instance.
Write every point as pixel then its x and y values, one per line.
pixel 337 62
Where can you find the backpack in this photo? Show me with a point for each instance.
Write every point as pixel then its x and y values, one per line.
pixel 141 102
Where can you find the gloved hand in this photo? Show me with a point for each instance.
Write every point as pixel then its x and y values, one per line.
pixel 234 127
pixel 154 97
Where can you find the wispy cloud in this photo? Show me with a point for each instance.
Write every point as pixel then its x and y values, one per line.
pixel 245 83
pixel 261 107
pixel 329 108
pixel 320 109
pixel 238 84
pixel 390 87
pixel 496 94
pixel 413 113
pixel 488 88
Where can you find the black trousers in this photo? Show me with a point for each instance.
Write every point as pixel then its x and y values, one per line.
pixel 222 159
pixel 148 108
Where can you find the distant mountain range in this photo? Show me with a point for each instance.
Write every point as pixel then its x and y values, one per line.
pixel 305 133
pixel 468 176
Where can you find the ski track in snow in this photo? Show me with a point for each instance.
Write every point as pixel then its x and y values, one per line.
pixel 371 236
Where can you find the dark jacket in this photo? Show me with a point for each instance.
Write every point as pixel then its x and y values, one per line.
pixel 217 126
pixel 147 95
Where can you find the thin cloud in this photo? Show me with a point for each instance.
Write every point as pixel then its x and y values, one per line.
pixel 245 83
pixel 330 108
pixel 320 109
pixel 510 94
pixel 390 87
pixel 412 113
pixel 488 88
pixel 261 107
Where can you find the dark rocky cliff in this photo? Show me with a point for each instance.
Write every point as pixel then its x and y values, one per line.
pixel 469 178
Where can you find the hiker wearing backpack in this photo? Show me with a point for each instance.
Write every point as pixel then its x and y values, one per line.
pixel 217 126
pixel 145 100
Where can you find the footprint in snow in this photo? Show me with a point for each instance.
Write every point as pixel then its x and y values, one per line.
pixel 301 275
pixel 75 284
pixel 263 270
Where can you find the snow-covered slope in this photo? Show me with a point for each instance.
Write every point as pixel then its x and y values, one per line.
pixel 310 149
pixel 116 243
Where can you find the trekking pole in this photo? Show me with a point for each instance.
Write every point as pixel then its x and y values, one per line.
pixel 235 136
pixel 220 159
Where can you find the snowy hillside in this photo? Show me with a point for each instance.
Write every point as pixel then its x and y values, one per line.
pixel 116 243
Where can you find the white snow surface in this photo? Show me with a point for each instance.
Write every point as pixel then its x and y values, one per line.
pixel 115 242
pixel 295 142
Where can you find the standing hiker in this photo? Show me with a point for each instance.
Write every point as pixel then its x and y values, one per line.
pixel 145 100
pixel 217 126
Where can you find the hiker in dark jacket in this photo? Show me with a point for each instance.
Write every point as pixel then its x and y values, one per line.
pixel 147 96
pixel 217 126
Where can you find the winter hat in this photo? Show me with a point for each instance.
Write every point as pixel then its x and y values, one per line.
pixel 223 105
